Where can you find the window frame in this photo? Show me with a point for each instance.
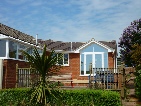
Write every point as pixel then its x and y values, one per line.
pixel 94 61
pixel 63 59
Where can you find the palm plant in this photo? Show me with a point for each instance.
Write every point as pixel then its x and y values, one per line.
pixel 44 66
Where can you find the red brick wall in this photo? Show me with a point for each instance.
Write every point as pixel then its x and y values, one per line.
pixel 9 78
pixel 110 60
pixel 74 66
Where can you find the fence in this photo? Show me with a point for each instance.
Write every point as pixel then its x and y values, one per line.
pixel 110 78
pixel 105 78
pixel 25 77
pixel 100 78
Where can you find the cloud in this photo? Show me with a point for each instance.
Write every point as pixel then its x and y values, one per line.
pixel 73 20
pixel 17 2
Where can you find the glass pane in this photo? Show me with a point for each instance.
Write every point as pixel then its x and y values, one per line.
pixel 88 63
pixel 21 47
pixel 2 48
pixel 98 61
pixel 65 58
pixel 12 49
pixel 40 51
pixel 82 64
pixel 60 61
pixel 29 50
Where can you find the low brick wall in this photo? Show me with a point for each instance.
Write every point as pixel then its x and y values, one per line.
pixel 9 76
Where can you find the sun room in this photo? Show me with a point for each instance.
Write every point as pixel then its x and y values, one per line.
pixel 11 48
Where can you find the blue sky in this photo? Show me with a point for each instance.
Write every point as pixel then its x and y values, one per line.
pixel 70 20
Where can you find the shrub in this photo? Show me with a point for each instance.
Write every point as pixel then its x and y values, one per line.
pixel 83 97
pixel 138 84
pixel 14 96
pixel 89 97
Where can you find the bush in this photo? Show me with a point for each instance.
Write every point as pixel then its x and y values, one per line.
pixel 83 97
pixel 138 84
pixel 89 97
pixel 14 96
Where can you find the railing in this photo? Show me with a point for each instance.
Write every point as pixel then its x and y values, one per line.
pixel 105 78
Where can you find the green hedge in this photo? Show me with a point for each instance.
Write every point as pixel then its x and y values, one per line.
pixel 90 97
pixel 13 96
pixel 83 97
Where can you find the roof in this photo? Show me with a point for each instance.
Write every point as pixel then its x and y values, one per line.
pixel 59 45
pixel 73 46
pixel 15 34
pixel 56 45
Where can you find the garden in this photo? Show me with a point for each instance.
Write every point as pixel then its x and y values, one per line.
pixel 43 94
pixel 82 97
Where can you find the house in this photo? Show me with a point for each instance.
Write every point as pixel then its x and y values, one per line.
pixel 77 56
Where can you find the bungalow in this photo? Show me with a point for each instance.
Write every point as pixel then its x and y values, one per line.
pixel 77 56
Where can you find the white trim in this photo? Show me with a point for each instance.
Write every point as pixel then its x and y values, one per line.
pixel 63 51
pixel 3 36
pixel 17 52
pixel 63 60
pixel 103 60
pixel 7 49
pixel 14 39
pixel 12 59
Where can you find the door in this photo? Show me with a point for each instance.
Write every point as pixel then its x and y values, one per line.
pixel 93 60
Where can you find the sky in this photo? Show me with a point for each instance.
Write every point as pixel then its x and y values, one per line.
pixel 70 20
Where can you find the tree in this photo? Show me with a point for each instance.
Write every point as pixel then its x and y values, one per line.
pixel 44 66
pixel 130 37
pixel 136 54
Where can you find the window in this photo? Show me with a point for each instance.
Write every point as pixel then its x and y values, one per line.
pixel 90 60
pixel 65 60
pixel 15 50
pixel 118 61
pixel 2 48
pixel 12 49
pixel 20 48
pixel 26 48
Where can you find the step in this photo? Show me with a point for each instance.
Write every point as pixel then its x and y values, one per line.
pixel 133 99
pixel 131 92
pixel 129 103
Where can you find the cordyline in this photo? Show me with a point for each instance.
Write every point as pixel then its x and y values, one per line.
pixel 45 65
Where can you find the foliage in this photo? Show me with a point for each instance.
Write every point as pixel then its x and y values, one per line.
pixel 136 54
pixel 9 97
pixel 55 84
pixel 131 36
pixel 138 82
pixel 87 97
pixel 44 66
pixel 82 97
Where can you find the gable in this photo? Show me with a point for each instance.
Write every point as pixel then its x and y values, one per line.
pixel 97 45
pixel 93 47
